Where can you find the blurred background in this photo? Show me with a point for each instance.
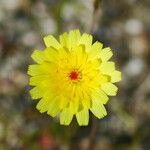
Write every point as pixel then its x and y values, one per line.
pixel 124 25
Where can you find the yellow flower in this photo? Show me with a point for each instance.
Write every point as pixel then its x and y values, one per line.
pixel 72 77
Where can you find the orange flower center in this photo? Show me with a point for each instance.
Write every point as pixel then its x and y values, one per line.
pixel 74 75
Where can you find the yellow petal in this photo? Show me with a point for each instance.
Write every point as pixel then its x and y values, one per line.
pixel 63 53
pixel 83 117
pixel 72 59
pixel 95 50
pixel 86 101
pixel 106 54
pixel 102 79
pixel 42 105
pixel 63 102
pixel 115 76
pixel 98 109
pixel 66 116
pixel 63 38
pixel 73 38
pixel 36 92
pixel 38 56
pixel 53 108
pixel 74 105
pixel 51 54
pixel 37 80
pixel 107 67
pixel 109 89
pixel 100 95
pixel 34 70
pixel 51 41
pixel 86 40
pixel 81 57
pixel 44 69
pixel 47 68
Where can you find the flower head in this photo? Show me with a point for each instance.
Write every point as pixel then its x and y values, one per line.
pixel 72 77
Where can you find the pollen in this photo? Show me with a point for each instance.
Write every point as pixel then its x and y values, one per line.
pixel 74 75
